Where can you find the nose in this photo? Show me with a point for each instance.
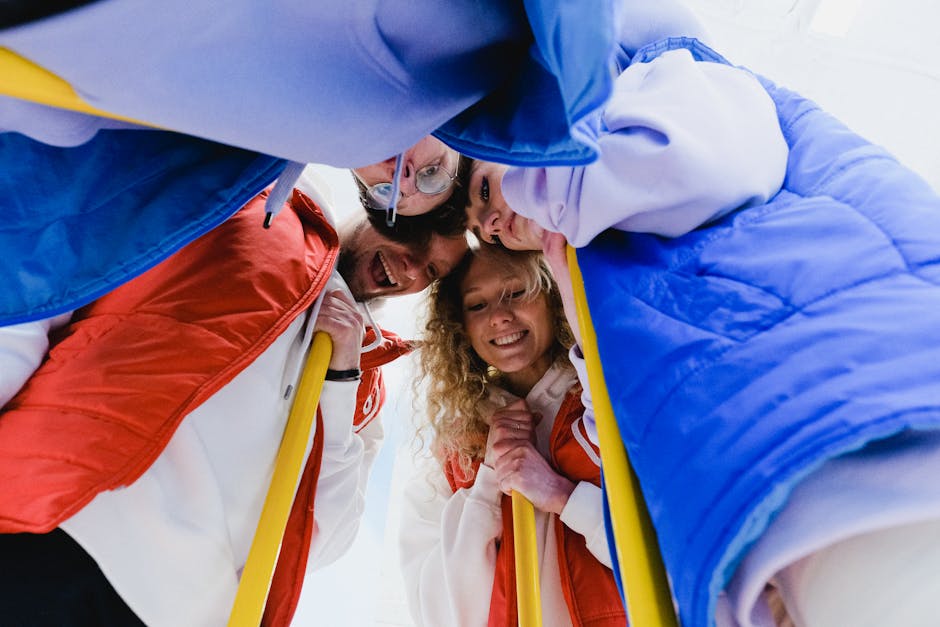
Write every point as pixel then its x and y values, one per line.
pixel 406 180
pixel 407 183
pixel 488 224
pixel 501 313
pixel 410 269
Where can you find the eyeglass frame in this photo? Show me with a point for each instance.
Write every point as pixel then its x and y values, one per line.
pixel 395 192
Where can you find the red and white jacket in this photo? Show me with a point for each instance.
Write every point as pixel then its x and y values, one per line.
pixel 149 432
pixel 456 532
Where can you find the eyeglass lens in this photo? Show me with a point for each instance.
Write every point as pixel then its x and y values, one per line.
pixel 431 179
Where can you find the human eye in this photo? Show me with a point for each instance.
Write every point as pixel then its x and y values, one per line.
pixel 430 170
pixel 433 272
pixel 485 189
pixel 475 306
pixel 514 291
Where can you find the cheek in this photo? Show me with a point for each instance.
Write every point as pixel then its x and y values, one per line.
pixel 543 324
pixel 473 328
pixel 369 174
pixel 426 144
pixel 473 216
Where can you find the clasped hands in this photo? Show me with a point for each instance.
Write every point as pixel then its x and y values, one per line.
pixel 511 452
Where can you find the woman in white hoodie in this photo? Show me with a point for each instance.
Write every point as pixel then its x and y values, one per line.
pixel 504 414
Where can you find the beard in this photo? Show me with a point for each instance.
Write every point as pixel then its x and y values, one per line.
pixel 345 264
pixel 347 260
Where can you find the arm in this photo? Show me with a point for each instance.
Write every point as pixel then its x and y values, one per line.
pixel 519 466
pixel 584 514
pixel 522 468
pixel 555 253
pixel 347 456
pixel 344 473
pixel 22 349
pixel 684 142
pixel 448 547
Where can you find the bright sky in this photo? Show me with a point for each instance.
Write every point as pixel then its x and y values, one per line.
pixel 875 64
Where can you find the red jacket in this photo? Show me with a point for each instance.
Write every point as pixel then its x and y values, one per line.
pixel 124 373
pixel 590 590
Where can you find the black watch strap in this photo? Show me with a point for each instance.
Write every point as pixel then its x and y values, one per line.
pixel 353 374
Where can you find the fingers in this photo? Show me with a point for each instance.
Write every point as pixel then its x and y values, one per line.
pixel 527 472
pixel 341 319
pixel 555 249
pixel 516 421
pixel 515 413
pixel 510 467
pixel 339 305
pixel 510 426
pixel 510 429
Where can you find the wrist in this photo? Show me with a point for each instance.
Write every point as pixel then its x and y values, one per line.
pixel 563 490
pixel 347 374
pixel 343 361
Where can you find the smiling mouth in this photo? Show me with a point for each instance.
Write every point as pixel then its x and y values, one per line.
pixel 512 338
pixel 381 273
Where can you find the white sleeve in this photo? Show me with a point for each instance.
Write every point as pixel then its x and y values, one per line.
pixel 576 357
pixel 22 349
pixel 682 143
pixel 448 547
pixel 584 513
pixel 344 473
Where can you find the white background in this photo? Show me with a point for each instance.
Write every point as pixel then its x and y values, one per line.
pixel 875 64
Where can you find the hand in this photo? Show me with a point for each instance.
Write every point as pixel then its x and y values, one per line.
pixel 340 318
pixel 509 426
pixel 524 470
pixel 555 250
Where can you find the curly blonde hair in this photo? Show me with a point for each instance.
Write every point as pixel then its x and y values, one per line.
pixel 456 378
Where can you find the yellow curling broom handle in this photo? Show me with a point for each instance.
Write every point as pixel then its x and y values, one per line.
pixel 262 557
pixel 646 588
pixel 528 596
pixel 23 79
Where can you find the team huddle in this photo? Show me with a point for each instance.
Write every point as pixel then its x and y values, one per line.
pixel 777 401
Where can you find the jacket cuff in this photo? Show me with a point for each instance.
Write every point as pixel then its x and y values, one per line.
pixel 485 488
pixel 338 405
pixel 582 511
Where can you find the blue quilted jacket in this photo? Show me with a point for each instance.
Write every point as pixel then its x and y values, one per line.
pixel 744 354
pixel 324 82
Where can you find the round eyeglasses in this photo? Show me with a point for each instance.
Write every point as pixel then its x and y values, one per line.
pixel 430 180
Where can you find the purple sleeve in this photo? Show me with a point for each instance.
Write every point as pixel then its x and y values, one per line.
pixel 684 143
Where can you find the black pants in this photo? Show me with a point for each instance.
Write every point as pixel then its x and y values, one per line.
pixel 48 580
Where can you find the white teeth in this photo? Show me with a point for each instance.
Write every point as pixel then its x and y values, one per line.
pixel 508 339
pixel 388 272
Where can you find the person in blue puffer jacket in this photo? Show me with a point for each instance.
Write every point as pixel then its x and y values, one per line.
pixel 768 313
pixel 240 93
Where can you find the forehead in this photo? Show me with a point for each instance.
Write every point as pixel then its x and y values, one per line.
pixel 445 251
pixel 486 167
pixel 489 272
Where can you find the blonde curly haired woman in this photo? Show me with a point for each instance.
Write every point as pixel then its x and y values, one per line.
pixel 504 413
